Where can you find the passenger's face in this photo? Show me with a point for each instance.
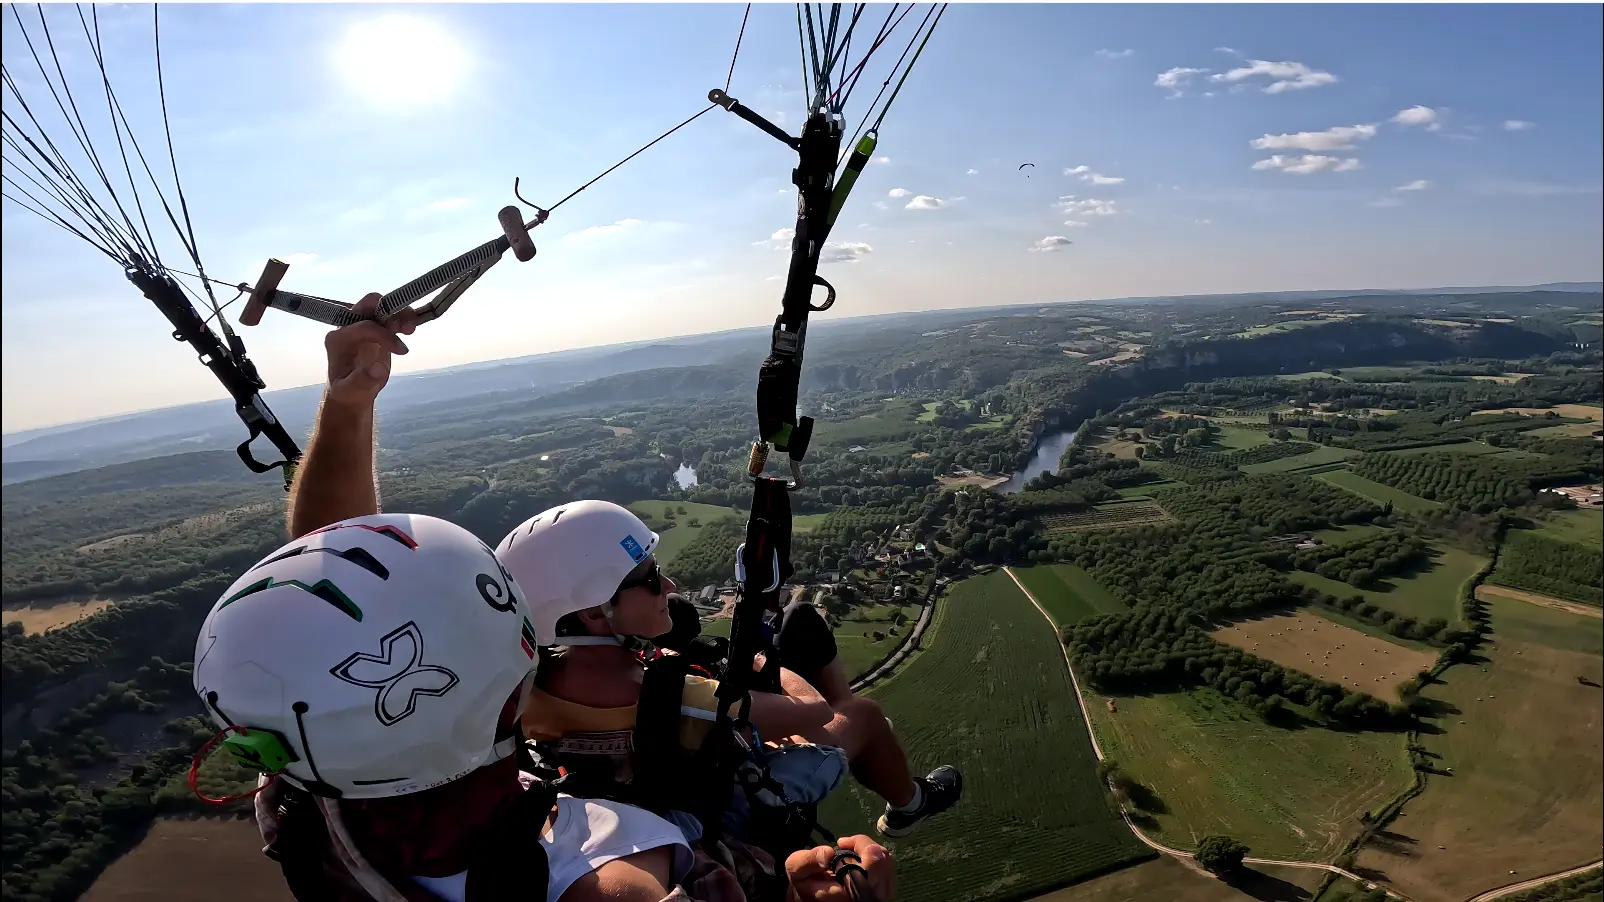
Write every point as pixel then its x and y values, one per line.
pixel 642 608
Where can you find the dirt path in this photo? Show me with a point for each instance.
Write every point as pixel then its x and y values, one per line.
pixel 1574 607
pixel 1503 891
pixel 1184 856
pixel 1190 859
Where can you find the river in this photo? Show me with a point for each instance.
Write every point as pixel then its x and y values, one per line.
pixel 1049 449
pixel 685 475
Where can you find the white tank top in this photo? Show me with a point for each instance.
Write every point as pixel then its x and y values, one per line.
pixel 587 834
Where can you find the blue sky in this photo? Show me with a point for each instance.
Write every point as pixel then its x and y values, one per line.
pixel 1316 146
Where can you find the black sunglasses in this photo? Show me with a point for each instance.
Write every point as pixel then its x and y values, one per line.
pixel 652 579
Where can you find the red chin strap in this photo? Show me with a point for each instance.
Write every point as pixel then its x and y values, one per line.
pixel 200 757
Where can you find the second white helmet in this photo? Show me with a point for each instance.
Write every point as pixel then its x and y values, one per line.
pixel 572 557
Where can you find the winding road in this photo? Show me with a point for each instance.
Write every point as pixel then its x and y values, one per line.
pixel 1307 865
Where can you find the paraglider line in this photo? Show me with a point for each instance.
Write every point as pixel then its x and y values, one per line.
pixel 898 65
pixel 730 78
pixel 648 145
pixel 857 72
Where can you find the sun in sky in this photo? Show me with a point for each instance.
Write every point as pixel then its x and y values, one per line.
pixel 401 60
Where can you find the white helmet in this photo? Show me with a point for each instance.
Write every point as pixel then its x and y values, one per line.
pixel 371 658
pixel 572 557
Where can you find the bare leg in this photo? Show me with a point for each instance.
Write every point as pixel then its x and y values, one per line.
pixel 831 681
pixel 860 729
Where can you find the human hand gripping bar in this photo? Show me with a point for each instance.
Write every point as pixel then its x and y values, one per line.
pixel 454 276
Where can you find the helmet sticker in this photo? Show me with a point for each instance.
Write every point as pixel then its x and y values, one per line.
pixel 494 594
pixel 636 553
pixel 385 530
pixel 529 639
pixel 356 555
pixel 398 673
pixel 323 589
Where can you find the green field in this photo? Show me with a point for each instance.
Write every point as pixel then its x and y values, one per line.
pixel 1344 535
pixel 991 695
pixel 1237 438
pixel 1304 377
pixel 1377 492
pixel 1218 768
pixel 1283 326
pixel 674 539
pixel 1472 448
pixel 1146 491
pixel 1579 527
pixel 1320 456
pixel 1375 373
pixel 807 522
pixel 1522 622
pixel 860 652
pixel 894 421
pixel 1067 592
pixel 1431 593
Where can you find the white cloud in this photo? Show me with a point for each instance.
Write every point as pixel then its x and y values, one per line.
pixel 1114 54
pixel 1304 164
pixel 604 231
pixel 450 203
pixel 1087 175
pixel 882 161
pixel 1419 115
pixel 1051 243
pixel 1203 221
pixel 898 192
pixel 844 252
pixel 926 202
pixel 1176 78
pixel 1231 50
pixel 1416 185
pixel 1283 76
pixel 972 172
pixel 1518 125
pixel 1070 205
pixel 778 240
pixel 1076 224
pixel 1341 137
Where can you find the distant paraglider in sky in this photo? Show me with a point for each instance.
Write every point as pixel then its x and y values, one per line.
pixel 1023 165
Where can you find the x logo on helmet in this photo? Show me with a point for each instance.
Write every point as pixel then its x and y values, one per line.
pixel 398 672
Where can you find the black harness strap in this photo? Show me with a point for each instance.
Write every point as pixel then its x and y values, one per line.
pixel 229 364
pixel 764 560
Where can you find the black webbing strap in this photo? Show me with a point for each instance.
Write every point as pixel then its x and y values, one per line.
pixel 230 366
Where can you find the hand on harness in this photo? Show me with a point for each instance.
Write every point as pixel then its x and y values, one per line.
pixel 859 870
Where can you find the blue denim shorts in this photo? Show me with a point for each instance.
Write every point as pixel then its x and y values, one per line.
pixel 806 771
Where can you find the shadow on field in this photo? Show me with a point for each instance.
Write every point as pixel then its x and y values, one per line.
pixel 1436 707
pixel 1373 875
pixel 1146 799
pixel 1266 888
pixel 1395 843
